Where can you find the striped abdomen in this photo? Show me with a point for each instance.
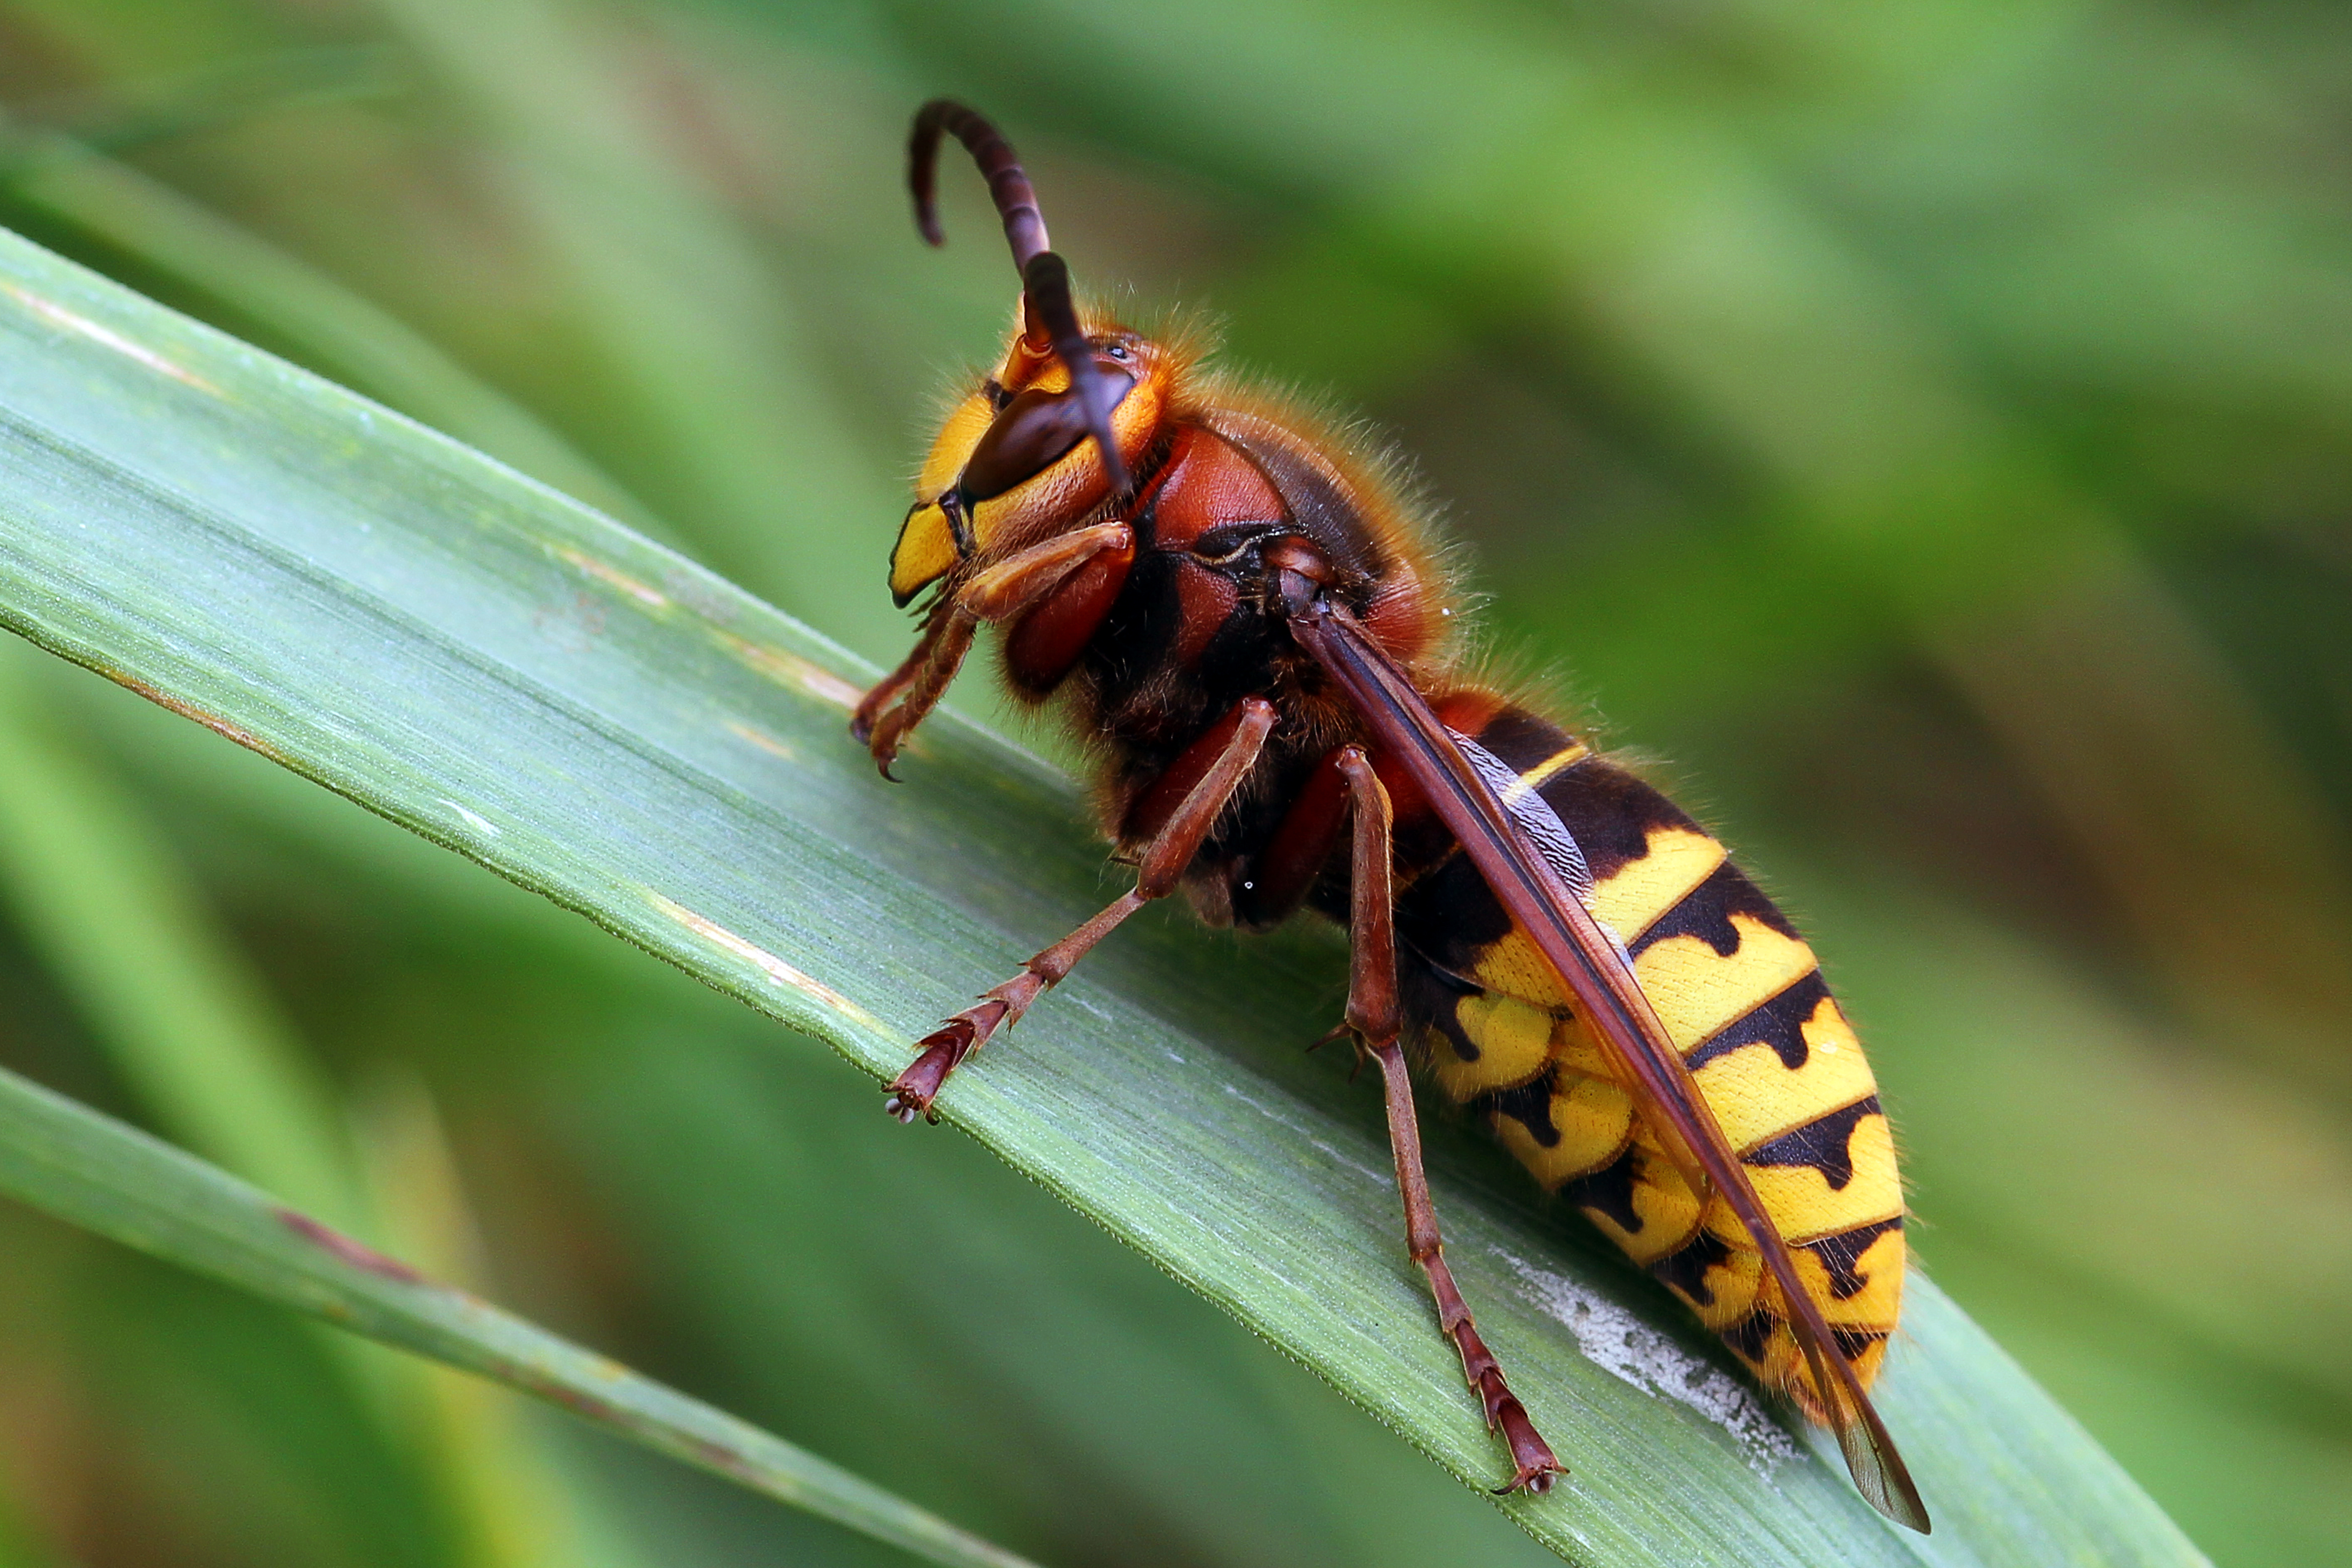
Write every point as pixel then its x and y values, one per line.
pixel 1743 999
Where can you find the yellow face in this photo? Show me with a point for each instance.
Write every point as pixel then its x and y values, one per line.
pixel 1013 465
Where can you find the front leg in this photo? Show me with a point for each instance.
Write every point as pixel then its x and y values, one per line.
pixel 1171 851
pixel 1375 1018
pixel 1004 592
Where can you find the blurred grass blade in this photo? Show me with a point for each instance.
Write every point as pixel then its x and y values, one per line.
pixel 524 681
pixel 93 1172
pixel 514 1502
pixel 219 93
pixel 181 1016
pixel 56 186
pixel 669 287
pixel 187 1024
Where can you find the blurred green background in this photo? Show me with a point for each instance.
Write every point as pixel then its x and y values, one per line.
pixel 1922 430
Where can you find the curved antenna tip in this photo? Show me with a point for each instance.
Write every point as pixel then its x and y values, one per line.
pixel 1044 277
pixel 1008 185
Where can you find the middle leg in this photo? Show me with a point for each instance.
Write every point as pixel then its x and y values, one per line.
pixel 1376 1018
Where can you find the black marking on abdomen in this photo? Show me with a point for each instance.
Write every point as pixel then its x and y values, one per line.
pixel 1450 916
pixel 1609 812
pixel 1686 1269
pixel 1823 1143
pixel 1841 1253
pixel 1610 1191
pixel 1429 996
pixel 1522 741
pixel 1747 1335
pixel 1530 1104
pixel 1707 909
pixel 1778 1023
pixel 1852 1343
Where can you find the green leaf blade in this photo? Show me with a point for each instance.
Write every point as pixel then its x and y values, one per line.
pixel 81 1167
pixel 526 682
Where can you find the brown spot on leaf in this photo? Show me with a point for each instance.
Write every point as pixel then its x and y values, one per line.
pixel 587 1406
pixel 358 1254
pixel 187 710
pixel 724 1460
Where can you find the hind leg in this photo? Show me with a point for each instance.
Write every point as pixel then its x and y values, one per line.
pixel 1375 1018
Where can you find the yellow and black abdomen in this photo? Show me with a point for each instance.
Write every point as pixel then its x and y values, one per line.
pixel 1744 1000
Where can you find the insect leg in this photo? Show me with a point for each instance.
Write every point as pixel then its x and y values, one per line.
pixel 884 692
pixel 1374 1014
pixel 899 701
pixel 905 697
pixel 1017 583
pixel 1170 851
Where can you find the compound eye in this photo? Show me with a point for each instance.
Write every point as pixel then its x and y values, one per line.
pixel 1036 430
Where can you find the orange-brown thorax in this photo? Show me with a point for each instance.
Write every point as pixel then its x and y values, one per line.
pixel 1150 649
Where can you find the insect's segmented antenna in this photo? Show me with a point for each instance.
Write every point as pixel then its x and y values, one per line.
pixel 1016 202
pixel 1044 276
pixel 1046 280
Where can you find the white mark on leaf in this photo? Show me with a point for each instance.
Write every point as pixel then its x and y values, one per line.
pixel 613 577
pixel 1385 1178
pixel 761 738
pixel 767 964
pixel 58 315
pixel 792 670
pixel 475 820
pixel 1620 1344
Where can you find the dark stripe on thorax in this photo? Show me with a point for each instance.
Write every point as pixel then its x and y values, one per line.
pixel 1318 507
